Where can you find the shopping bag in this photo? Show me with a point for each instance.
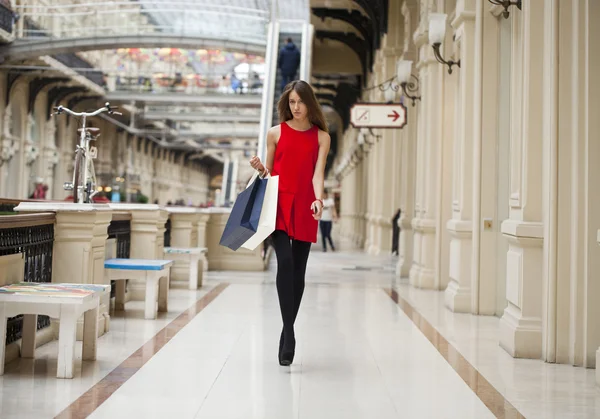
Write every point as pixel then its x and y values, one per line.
pixel 245 215
pixel 266 224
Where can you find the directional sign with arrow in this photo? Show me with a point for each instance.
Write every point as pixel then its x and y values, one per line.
pixel 378 115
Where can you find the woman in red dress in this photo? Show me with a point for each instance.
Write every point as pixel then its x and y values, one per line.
pixel 297 149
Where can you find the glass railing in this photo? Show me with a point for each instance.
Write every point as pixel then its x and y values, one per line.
pixel 176 18
pixel 202 110
pixel 191 84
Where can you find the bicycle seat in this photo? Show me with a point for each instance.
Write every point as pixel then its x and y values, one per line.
pixel 92 130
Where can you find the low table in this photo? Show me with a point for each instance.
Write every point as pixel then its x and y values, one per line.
pixel 65 302
pixel 193 256
pixel 155 272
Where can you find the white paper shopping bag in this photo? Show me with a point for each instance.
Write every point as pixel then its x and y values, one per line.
pixel 266 225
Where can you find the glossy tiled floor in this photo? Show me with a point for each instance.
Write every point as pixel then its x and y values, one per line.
pixel 358 356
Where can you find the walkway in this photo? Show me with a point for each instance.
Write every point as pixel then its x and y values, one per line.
pixel 360 354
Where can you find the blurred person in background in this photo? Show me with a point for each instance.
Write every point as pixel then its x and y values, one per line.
pixel 288 63
pixel 327 219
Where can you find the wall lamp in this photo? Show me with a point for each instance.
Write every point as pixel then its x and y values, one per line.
pixel 437 32
pixel 404 76
pixel 506 4
pixel 401 81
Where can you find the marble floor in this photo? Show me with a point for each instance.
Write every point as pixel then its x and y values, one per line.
pixel 369 346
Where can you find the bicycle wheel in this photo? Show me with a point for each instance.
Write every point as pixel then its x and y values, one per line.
pixel 78 177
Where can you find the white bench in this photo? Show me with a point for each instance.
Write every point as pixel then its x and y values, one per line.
pixel 66 302
pixel 155 272
pixel 192 255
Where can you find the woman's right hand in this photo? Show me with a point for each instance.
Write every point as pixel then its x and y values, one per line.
pixel 256 164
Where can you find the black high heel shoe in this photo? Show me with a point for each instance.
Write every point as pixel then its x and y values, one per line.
pixel 287 350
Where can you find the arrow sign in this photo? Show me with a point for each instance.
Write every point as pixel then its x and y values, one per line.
pixel 395 115
pixel 378 115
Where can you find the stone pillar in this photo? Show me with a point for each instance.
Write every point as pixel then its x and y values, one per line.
pixel 233 181
pixel 184 233
pixel 407 196
pixel 521 324
pixel 223 196
pixel 423 273
pixel 201 240
pixel 80 235
pixel 147 238
pixel 458 292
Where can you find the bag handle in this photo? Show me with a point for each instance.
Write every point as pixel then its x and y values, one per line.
pixel 254 176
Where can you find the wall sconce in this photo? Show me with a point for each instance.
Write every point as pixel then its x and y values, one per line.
pixel 404 74
pixel 437 32
pixel 506 4
pixel 390 95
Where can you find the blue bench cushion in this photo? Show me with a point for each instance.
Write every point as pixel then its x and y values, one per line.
pixel 137 264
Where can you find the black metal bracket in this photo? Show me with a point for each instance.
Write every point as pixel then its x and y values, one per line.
pixel 411 87
pixel 436 51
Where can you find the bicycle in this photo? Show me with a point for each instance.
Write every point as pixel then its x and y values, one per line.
pixel 84 176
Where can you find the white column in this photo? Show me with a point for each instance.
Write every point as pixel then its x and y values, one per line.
pixel 407 199
pixel 458 292
pixel 425 272
pixel 592 334
pixel 266 109
pixel 423 69
pixel 308 33
pixel 521 324
pixel 224 182
pixel 234 179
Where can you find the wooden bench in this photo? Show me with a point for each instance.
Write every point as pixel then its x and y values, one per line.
pixel 155 272
pixel 192 255
pixel 65 302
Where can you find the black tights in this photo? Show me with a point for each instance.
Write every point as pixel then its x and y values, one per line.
pixel 291 268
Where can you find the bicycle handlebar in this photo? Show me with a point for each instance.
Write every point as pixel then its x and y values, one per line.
pixel 106 108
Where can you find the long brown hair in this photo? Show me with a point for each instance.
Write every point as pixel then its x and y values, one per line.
pixel 307 94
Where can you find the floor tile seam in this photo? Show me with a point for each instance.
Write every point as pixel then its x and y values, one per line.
pixel 407 307
pixel 387 388
pixel 105 380
pixel 241 334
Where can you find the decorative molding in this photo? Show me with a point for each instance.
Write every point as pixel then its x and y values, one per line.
pixel 51 156
pixel 32 151
pixel 8 148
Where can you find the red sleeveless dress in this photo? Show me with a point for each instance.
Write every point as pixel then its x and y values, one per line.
pixel 295 161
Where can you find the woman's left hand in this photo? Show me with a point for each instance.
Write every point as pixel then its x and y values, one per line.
pixel 317 209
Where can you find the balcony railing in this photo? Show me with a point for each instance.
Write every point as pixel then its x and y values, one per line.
pixel 32 235
pixel 192 84
pixel 122 18
pixel 7 18
pixel 120 229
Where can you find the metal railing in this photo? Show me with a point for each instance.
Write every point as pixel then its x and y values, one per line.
pixel 167 236
pixel 186 84
pixel 33 235
pixel 120 229
pixel 7 18
pixel 181 18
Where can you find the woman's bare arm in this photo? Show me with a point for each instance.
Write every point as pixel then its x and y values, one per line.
pixel 272 140
pixel 319 175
